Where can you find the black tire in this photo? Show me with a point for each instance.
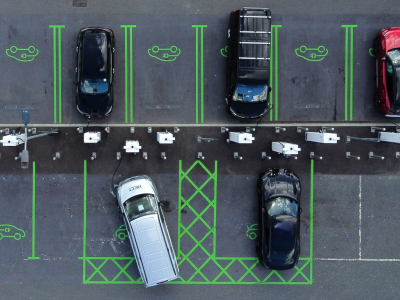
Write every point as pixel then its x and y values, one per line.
pixel 376 47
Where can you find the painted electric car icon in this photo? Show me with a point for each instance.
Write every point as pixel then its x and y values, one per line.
pixel 23 55
pixel 10 231
pixel 164 54
pixel 121 232
pixel 312 54
pixel 252 231
pixel 224 51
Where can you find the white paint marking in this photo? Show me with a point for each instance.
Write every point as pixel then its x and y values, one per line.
pixel 359 259
pixel 359 221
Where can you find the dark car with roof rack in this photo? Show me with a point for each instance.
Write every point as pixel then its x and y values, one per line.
pixel 248 76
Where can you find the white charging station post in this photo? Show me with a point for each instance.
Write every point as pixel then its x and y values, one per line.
pixel 322 137
pixel 286 149
pixel 132 146
pixel 165 137
pixel 241 137
pixel 390 137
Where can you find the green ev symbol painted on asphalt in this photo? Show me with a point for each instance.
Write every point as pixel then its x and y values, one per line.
pixel 121 232
pixel 252 231
pixel 23 55
pixel 312 54
pixel 164 54
pixel 370 52
pixel 11 231
pixel 224 51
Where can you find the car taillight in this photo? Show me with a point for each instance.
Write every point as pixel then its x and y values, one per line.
pixel 162 282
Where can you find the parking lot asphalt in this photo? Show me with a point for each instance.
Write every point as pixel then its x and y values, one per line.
pixel 67 239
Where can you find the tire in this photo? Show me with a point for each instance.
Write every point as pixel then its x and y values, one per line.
pixel 376 47
pixel 17 236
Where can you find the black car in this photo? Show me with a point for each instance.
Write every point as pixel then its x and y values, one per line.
pixel 279 213
pixel 248 77
pixel 95 71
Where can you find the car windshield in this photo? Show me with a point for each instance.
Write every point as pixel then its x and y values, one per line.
pixel 286 256
pixel 282 206
pixel 94 64
pixel 394 56
pixel 140 205
pixel 251 93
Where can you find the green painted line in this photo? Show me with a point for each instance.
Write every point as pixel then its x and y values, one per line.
pixel 59 76
pixel 126 76
pixel 348 97
pixel 57 56
pixel 128 65
pixel 271 67
pixel 311 215
pixel 215 209
pixel 197 74
pixel 351 75
pixel 276 71
pixel 202 77
pixel 130 75
pixel 180 207
pixel 55 75
pixel 346 74
pixel 84 206
pixel 33 211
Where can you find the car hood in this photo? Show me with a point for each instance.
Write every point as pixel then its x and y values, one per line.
pixel 94 104
pixel 392 38
pixel 249 109
pixel 281 183
pixel 134 186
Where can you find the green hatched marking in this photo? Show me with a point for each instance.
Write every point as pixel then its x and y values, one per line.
pixel 33 211
pixel 182 230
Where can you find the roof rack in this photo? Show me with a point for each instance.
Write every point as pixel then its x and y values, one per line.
pixel 254 31
pixel 258 8
pixel 257 58
pixel 256 43
pixel 258 17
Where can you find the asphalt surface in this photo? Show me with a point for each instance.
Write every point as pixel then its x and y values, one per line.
pixel 65 207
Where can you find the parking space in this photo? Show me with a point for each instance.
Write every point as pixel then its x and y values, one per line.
pixel 60 231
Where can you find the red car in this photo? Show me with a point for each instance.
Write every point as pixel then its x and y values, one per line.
pixel 386 49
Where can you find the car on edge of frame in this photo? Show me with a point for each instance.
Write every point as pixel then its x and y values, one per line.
pixel 386 48
pixel 278 244
pixel 95 71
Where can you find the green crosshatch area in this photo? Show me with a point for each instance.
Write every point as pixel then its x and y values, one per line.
pixel 197 255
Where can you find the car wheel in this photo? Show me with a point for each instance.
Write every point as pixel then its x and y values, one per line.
pixel 376 46
pixel 17 236
pixel 229 33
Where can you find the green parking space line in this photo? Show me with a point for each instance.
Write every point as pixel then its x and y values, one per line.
pixel 57 70
pixel 96 269
pixel 348 79
pixel 199 81
pixel 274 72
pixel 128 66
pixel 33 211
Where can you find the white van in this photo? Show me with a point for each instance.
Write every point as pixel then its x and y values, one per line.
pixel 147 230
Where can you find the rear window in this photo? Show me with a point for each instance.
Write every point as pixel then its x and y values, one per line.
pixel 140 205
pixel 94 64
